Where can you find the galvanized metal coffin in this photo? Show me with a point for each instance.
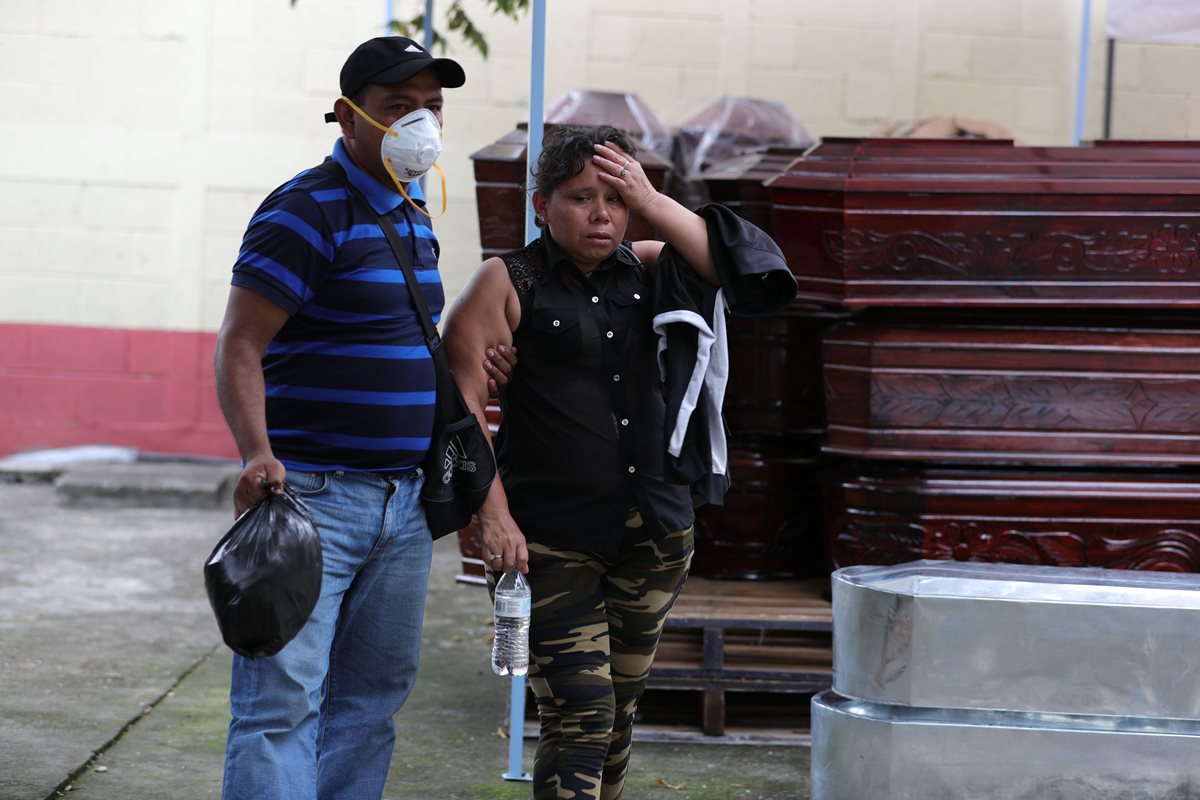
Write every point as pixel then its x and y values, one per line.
pixel 990 681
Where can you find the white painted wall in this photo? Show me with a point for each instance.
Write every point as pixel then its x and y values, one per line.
pixel 137 136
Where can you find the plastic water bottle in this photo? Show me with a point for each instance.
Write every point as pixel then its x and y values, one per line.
pixel 510 650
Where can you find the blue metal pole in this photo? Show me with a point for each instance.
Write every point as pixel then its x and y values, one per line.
pixel 516 730
pixel 427 40
pixel 537 90
pixel 1085 47
pixel 537 113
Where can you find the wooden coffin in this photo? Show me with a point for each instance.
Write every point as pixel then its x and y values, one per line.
pixel 775 395
pixel 893 222
pixel 500 191
pixel 1130 520
pixel 1115 394
pixel 739 183
pixel 774 390
pixel 770 524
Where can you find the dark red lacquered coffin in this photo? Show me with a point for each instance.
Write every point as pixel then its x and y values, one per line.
pixel 1019 376
pixel 882 222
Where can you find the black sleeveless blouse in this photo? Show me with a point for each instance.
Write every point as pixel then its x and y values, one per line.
pixel 581 440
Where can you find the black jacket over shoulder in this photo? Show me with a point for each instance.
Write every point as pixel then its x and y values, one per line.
pixel 693 353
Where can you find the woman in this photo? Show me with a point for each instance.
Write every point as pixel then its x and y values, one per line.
pixel 581 507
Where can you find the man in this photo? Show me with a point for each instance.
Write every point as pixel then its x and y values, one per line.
pixel 324 377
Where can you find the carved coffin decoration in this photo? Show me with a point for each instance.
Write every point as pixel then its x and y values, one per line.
pixel 500 194
pixel 1029 394
pixel 1116 520
pixel 887 222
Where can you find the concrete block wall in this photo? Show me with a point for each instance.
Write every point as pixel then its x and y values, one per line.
pixel 138 136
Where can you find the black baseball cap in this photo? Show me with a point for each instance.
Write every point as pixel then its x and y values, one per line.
pixel 395 59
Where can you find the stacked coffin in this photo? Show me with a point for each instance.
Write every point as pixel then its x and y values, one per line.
pixel 1018 378
pixel 770 524
pixel 1009 682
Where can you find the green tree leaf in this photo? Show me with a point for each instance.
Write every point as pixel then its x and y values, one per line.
pixel 458 21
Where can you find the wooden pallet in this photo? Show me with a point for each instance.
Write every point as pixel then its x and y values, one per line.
pixel 745 636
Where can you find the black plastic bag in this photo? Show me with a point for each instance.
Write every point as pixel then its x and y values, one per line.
pixel 264 576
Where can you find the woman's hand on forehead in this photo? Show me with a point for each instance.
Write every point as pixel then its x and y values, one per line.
pixel 626 175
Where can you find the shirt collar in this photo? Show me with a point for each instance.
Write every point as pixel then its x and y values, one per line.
pixel 381 198
pixel 557 259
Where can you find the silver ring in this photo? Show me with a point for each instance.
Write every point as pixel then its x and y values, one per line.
pixel 625 164
pixel 624 172
pixel 497 555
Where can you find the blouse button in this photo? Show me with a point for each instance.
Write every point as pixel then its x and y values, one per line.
pixel 595 299
pixel 617 378
pixel 609 334
pixel 624 422
pixel 632 470
pixel 557 323
pixel 637 296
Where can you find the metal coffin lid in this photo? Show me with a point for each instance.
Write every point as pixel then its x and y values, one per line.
pixel 868 222
pixel 1018 638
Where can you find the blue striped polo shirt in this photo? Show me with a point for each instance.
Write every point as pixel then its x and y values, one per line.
pixel 349 379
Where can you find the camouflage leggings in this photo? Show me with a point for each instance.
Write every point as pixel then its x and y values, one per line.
pixel 594 627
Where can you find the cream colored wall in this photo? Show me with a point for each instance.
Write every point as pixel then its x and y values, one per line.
pixel 139 135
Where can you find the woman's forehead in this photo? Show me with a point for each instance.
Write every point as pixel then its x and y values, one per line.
pixel 589 176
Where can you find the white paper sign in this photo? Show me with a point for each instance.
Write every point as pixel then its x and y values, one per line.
pixel 1154 21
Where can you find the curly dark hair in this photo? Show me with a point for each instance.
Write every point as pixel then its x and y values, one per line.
pixel 566 150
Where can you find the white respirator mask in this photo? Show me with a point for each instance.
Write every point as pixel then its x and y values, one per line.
pixel 410 148
pixel 414 144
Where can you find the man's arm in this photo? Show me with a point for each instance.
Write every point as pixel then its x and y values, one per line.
pixel 251 322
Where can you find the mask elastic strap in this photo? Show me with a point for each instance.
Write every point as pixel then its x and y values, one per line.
pixel 368 118
pixel 387 164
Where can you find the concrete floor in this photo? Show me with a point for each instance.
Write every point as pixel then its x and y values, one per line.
pixel 114 678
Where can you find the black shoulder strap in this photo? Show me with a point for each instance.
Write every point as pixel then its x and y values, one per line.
pixel 432 339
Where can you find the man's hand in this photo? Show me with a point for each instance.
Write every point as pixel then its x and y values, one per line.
pixel 499 365
pixel 259 471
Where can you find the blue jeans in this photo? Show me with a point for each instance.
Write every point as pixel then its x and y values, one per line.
pixel 316 719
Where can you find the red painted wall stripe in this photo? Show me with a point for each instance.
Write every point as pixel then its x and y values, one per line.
pixel 151 390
